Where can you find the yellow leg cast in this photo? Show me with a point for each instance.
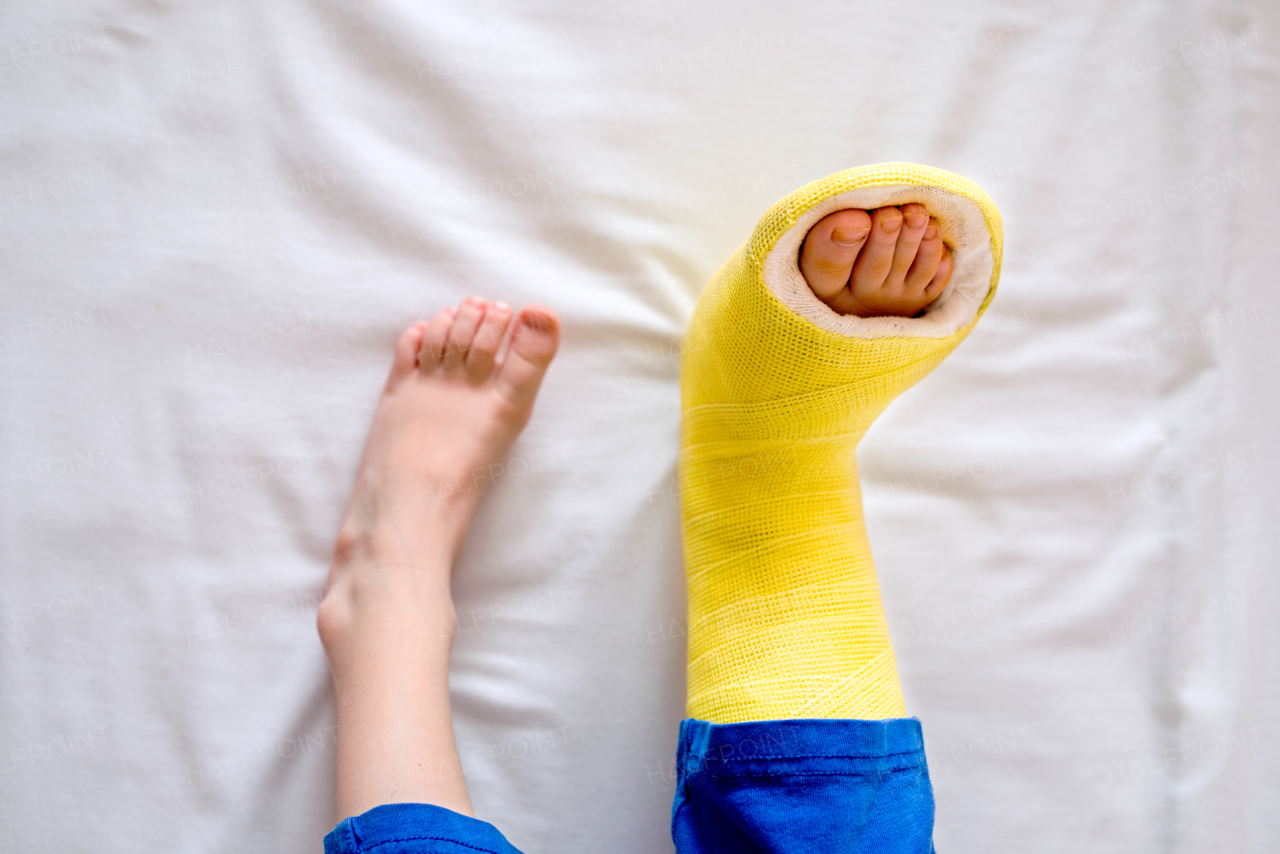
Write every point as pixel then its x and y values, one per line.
pixel 785 619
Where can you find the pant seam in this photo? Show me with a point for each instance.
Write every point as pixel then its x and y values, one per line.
pixel 877 774
pixel 813 756
pixel 427 839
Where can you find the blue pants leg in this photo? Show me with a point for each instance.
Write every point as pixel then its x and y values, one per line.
pixel 812 786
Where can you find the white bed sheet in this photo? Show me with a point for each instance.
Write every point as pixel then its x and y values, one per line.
pixel 215 220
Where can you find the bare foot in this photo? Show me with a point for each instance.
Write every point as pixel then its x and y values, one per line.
pixel 448 412
pixel 888 261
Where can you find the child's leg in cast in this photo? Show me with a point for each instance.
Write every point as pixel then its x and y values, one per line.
pixel 849 291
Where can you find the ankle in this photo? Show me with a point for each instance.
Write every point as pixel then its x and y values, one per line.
pixel 392 601
pixel 374 579
pixel 415 532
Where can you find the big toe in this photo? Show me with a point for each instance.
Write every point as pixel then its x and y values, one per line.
pixel 829 250
pixel 533 344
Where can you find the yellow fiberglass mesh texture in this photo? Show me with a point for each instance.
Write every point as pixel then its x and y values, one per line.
pixel 785 619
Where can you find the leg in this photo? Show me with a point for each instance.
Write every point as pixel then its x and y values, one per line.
pixel 449 410
pixel 785 613
pixel 796 738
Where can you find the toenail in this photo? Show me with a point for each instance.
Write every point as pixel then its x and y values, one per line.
pixel 502 306
pixel 536 321
pixel 849 236
pixel 890 224
pixel 915 220
pixel 475 300
pixel 931 232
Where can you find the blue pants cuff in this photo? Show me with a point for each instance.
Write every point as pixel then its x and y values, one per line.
pixel 811 785
pixel 415 829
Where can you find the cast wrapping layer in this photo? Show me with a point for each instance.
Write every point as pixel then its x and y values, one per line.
pixel 785 619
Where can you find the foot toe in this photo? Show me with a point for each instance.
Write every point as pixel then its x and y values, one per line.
pixel 829 250
pixel 484 346
pixel 939 281
pixel 533 343
pixel 928 256
pixel 463 331
pixel 407 347
pixel 915 221
pixel 915 217
pixel 876 257
pixel 434 337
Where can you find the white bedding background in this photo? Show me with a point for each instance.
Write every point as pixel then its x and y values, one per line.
pixel 215 219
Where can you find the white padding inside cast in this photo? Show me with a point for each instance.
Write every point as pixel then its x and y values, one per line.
pixel 964 230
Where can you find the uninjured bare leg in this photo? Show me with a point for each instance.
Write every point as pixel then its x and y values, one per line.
pixel 448 410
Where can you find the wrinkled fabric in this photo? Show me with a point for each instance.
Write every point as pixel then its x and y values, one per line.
pixel 415 829
pixel 803 787
pixel 216 219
